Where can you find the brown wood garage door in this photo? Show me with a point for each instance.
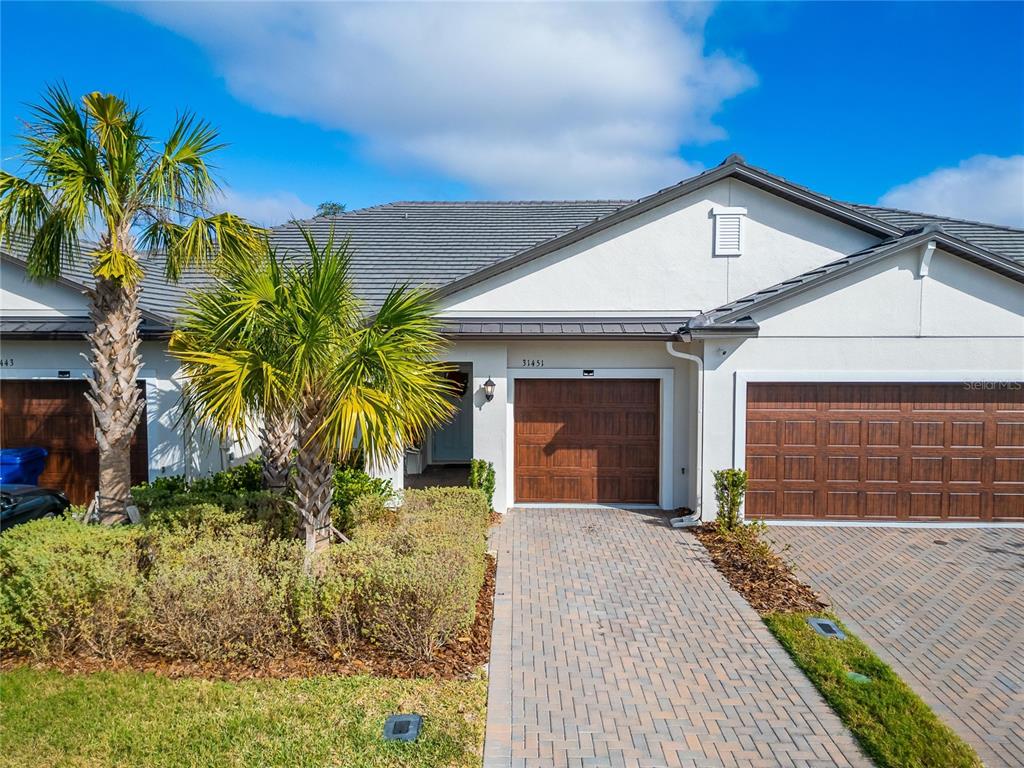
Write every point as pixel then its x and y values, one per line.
pixel 587 441
pixel 885 451
pixel 56 416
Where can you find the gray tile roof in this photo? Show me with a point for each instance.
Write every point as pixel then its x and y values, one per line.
pixel 433 244
pixel 579 327
pixel 739 310
pixel 1006 241
pixel 450 245
pixel 160 298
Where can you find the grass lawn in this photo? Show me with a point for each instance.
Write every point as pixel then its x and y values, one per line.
pixel 130 719
pixel 893 725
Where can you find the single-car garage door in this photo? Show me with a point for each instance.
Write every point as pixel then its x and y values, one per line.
pixel 587 441
pixel 56 416
pixel 915 452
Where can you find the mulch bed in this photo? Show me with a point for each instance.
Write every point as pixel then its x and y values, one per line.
pixel 461 659
pixel 766 580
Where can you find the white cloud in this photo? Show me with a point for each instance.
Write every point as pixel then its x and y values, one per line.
pixel 530 99
pixel 981 188
pixel 265 210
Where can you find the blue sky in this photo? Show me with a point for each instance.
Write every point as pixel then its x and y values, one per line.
pixel 918 105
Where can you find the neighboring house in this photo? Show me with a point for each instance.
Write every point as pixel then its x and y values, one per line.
pixel 861 363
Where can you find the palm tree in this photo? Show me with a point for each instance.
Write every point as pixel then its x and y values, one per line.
pixel 93 168
pixel 224 319
pixel 296 337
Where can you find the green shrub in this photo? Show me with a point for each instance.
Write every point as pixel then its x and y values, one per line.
pixel 325 603
pixel 219 595
pixel 730 488
pixel 481 477
pixel 416 602
pixel 193 517
pixel 170 502
pixel 351 484
pixel 67 588
pixel 423 568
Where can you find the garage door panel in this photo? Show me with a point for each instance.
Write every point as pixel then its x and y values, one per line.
pixel 761 432
pixel 799 503
pixel 798 468
pixel 885 451
pixel 882 434
pixel 967 434
pixel 880 505
pixel 965 469
pixel 843 433
pixel 842 504
pixel 1009 470
pixel 586 441
pixel 842 468
pixel 799 433
pixel 928 434
pixel 926 504
pixel 1008 506
pixel 1010 434
pixel 640 457
pixel 762 467
pixel 966 506
pixel 881 469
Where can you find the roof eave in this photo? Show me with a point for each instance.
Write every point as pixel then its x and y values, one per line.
pixel 955 245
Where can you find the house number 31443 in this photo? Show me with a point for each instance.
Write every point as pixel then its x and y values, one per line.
pixel 534 363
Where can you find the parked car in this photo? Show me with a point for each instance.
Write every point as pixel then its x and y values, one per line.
pixel 21 503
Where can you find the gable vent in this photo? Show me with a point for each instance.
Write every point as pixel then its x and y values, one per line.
pixel 729 230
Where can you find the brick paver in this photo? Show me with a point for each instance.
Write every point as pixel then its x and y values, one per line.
pixel 944 607
pixel 617 643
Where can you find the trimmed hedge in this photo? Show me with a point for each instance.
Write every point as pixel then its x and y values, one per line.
pixel 219 594
pixel 199 582
pixel 67 588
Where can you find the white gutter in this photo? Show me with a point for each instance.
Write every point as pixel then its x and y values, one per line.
pixel 695 518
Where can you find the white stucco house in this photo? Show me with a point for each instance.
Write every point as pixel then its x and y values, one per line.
pixel 865 365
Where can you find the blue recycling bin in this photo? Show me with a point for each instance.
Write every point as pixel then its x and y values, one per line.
pixel 22 466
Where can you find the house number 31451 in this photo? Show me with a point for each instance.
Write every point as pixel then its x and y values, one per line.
pixel 535 363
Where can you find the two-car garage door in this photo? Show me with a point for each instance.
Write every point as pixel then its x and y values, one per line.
pixel 914 452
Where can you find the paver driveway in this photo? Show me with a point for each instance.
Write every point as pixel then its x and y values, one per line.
pixel 617 643
pixel 944 607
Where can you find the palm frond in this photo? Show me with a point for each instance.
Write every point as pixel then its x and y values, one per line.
pixel 201 241
pixel 181 176
pixel 24 206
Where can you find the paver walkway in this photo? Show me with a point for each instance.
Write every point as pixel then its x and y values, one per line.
pixel 945 608
pixel 617 643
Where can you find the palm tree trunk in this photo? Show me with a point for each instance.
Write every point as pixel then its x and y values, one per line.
pixel 277 439
pixel 314 481
pixel 114 393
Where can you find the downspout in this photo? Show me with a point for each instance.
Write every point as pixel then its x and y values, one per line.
pixel 694 519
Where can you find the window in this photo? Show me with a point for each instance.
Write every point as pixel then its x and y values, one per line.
pixel 728 230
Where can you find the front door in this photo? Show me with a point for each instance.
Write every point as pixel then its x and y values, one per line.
pixel 453 442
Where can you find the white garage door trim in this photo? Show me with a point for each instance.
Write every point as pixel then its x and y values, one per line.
pixel 665 463
pixel 739 451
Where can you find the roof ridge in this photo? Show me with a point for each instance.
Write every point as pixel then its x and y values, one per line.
pixel 1006 227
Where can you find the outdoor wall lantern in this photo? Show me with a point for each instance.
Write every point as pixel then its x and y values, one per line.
pixel 489 389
